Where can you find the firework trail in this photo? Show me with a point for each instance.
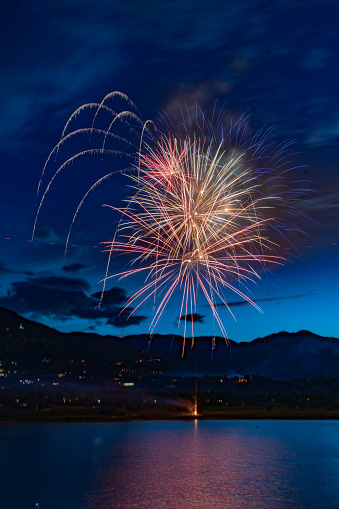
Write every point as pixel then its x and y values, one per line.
pixel 207 213
pixel 96 138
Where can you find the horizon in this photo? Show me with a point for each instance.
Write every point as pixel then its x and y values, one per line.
pixel 188 339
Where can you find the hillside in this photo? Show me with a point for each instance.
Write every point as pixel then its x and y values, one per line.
pixel 33 346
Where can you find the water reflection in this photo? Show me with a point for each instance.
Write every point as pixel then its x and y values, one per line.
pixel 172 465
pixel 197 465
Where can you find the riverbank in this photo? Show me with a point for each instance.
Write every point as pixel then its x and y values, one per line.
pixel 60 414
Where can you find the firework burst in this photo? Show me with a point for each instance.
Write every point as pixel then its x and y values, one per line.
pixel 197 221
pixel 206 214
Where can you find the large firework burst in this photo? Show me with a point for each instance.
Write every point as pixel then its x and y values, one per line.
pixel 206 213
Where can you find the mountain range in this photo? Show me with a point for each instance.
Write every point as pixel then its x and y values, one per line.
pixel 280 356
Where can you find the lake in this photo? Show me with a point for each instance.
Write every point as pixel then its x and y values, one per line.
pixel 170 464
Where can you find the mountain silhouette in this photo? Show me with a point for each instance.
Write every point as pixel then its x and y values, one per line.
pixel 280 356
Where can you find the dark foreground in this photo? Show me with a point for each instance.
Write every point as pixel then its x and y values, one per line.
pixel 57 414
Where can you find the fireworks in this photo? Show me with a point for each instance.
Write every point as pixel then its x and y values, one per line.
pixel 206 215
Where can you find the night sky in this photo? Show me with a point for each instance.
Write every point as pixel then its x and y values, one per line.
pixel 277 61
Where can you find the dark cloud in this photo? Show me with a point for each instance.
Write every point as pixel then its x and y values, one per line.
pixel 47 235
pixel 256 301
pixel 190 38
pixel 59 283
pixel 4 269
pixel 42 233
pixel 59 75
pixel 113 296
pixel 66 297
pixel 39 298
pixel 74 267
pixel 123 318
pixel 193 317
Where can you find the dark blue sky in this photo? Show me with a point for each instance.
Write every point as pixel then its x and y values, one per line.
pixel 277 60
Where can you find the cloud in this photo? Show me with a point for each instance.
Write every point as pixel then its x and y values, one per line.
pixel 81 44
pixel 123 318
pixel 48 235
pixel 325 133
pixel 42 233
pixel 71 58
pixel 317 58
pixel 113 296
pixel 193 317
pixel 327 200
pixel 90 328
pixel 256 301
pixel 5 270
pixel 62 283
pixel 64 298
pixel 49 296
pixel 74 267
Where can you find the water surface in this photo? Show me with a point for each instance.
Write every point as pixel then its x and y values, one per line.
pixel 172 465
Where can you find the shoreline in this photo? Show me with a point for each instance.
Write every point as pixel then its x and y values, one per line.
pixel 61 415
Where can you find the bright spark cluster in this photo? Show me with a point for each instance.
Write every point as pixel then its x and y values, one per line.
pixel 207 213
pixel 197 222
